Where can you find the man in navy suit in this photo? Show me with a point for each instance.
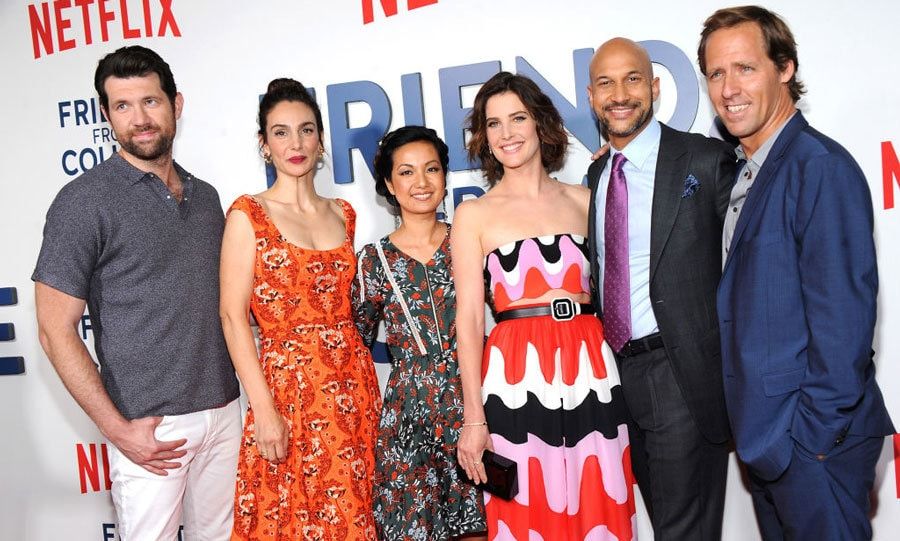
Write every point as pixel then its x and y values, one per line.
pixel 796 303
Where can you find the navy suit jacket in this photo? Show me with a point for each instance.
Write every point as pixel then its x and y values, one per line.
pixel 796 306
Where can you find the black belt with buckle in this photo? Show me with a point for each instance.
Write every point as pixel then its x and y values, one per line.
pixel 641 345
pixel 561 309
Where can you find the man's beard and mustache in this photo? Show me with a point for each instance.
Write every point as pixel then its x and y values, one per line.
pixel 638 123
pixel 162 146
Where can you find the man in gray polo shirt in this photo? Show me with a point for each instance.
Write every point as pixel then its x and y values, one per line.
pixel 137 239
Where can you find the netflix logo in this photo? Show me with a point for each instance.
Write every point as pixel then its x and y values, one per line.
pixel 389 7
pixel 897 462
pixel 55 25
pixel 93 467
pixel 890 172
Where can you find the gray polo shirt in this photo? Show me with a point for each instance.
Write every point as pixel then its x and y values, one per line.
pixel 148 268
pixel 742 186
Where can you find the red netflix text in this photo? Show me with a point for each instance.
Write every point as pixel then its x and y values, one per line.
pixel 54 25
pixel 389 7
pixel 890 172
pixel 897 462
pixel 91 464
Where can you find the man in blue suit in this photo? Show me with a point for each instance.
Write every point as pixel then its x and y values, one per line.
pixel 796 303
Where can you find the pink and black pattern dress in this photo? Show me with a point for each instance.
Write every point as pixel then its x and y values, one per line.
pixel 554 403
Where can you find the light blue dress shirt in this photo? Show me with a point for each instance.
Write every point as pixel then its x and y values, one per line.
pixel 640 173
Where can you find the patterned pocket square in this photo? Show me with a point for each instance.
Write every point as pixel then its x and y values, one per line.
pixel 691 185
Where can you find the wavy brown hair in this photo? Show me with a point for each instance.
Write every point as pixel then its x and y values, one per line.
pixel 551 133
pixel 781 47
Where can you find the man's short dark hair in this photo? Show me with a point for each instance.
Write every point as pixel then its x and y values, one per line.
pixel 551 133
pixel 780 44
pixel 133 61
pixel 384 158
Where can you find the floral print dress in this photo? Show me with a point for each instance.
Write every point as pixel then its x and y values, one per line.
pixel 324 385
pixel 419 494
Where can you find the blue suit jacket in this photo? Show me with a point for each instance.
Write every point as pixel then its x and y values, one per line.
pixel 796 306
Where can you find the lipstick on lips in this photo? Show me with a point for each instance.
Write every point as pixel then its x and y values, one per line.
pixel 297 160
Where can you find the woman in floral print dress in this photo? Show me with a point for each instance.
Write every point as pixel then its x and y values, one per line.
pixel 404 280
pixel 307 458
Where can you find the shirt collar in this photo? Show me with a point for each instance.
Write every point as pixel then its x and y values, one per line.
pixel 759 157
pixel 642 147
pixel 133 175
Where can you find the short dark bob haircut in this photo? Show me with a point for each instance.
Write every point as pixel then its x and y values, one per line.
pixel 133 61
pixel 384 157
pixel 284 89
pixel 550 130
pixel 781 47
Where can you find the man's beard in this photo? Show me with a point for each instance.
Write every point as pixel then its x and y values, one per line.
pixel 631 128
pixel 161 147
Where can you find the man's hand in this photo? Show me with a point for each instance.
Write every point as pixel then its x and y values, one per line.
pixel 57 315
pixel 137 441
pixel 600 152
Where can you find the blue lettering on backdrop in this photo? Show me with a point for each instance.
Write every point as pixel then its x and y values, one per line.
pixel 85 326
pixel 84 112
pixel 413 106
pixel 365 138
pixel 578 117
pixel 75 162
pixel 459 194
pixel 686 85
pixel 451 81
pixel 109 531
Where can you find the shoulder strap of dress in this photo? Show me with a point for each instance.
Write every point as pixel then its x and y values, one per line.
pixel 400 299
pixel 251 207
pixel 349 218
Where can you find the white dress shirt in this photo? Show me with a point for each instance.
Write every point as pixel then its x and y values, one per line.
pixel 640 173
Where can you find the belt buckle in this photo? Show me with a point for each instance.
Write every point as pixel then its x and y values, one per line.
pixel 563 309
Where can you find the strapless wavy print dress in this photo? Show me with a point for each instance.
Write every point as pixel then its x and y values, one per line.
pixel 554 403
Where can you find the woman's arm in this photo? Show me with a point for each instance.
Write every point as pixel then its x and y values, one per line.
pixel 468 257
pixel 367 294
pixel 236 282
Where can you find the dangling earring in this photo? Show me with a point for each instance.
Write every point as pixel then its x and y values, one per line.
pixel 397 221
pixel 265 155
pixel 321 152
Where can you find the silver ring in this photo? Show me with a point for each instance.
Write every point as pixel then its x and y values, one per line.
pixel 476 463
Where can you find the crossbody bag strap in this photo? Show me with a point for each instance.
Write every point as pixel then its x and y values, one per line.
pixel 400 299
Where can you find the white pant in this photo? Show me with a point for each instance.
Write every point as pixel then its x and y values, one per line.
pixel 199 494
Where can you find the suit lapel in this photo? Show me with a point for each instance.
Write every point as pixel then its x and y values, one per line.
pixel 593 181
pixel 671 170
pixel 764 178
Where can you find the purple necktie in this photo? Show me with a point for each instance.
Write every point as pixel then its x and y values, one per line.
pixel 616 278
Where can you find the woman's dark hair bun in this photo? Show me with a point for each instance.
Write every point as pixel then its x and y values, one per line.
pixel 283 83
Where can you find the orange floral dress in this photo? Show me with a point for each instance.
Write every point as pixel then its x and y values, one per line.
pixel 324 384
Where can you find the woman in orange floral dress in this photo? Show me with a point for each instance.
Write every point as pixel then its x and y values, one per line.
pixel 306 460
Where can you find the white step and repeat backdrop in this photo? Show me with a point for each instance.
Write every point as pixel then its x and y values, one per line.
pixel 374 65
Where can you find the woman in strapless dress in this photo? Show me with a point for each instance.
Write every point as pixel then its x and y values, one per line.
pixel 544 389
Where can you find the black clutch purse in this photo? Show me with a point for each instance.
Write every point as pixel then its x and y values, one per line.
pixel 502 475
